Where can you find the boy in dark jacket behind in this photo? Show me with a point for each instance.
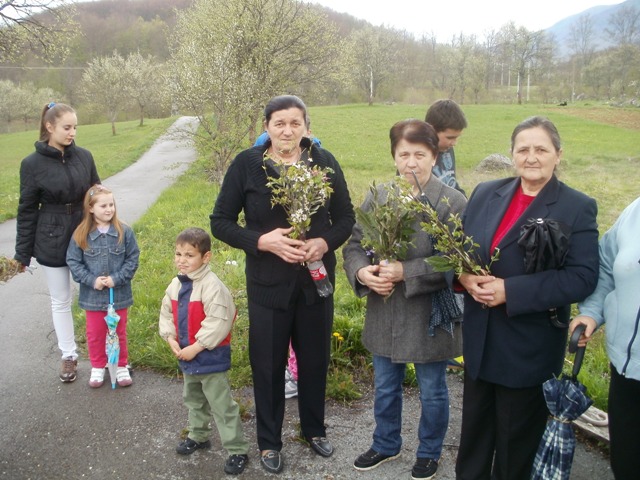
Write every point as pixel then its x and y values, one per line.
pixel 196 317
pixel 448 119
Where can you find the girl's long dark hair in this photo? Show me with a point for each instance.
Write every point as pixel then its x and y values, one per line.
pixel 51 114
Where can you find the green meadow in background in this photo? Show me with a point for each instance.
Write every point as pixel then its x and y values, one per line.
pixel 601 158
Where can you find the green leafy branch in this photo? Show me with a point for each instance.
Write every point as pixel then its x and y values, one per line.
pixel 458 251
pixel 387 225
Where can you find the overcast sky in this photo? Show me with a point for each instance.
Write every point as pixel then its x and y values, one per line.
pixel 450 17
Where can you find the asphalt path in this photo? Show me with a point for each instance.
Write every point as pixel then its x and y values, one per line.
pixel 51 430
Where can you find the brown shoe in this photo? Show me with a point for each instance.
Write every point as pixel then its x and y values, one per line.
pixel 69 368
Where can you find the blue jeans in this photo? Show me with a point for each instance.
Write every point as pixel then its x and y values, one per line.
pixel 387 409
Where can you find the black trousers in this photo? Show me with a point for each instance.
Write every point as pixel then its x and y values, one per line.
pixel 624 426
pixel 309 328
pixel 501 430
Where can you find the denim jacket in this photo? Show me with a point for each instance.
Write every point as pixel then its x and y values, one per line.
pixel 104 256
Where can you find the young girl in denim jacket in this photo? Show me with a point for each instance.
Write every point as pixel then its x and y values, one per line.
pixel 103 254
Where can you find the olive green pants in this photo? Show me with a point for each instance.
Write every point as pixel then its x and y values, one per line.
pixel 208 396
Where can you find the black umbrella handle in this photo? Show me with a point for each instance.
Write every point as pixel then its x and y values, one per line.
pixel 574 348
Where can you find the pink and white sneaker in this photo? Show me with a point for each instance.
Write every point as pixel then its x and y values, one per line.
pixel 123 377
pixel 97 377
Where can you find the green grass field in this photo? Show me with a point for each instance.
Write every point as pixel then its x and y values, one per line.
pixel 600 158
pixel 111 153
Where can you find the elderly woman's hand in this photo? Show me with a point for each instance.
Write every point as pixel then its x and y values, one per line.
pixel 590 326
pixel 314 249
pixel 487 290
pixel 368 276
pixel 278 242
pixel 391 270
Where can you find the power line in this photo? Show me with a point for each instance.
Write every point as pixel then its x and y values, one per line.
pixel 4 67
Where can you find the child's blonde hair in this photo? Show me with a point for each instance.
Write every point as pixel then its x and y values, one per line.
pixel 88 223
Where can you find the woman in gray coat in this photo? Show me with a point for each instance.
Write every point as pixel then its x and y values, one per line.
pixel 396 329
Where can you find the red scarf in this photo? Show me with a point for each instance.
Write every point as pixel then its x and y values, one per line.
pixel 518 205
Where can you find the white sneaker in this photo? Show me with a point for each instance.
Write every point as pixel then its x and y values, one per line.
pixel 97 377
pixel 123 378
pixel 291 389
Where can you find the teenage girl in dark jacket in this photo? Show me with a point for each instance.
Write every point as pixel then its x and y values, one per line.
pixel 53 181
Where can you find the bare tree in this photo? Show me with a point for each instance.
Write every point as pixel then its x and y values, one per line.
pixel 582 39
pixel 458 66
pixel 624 32
pixel 42 27
pixel 525 46
pixel 582 44
pixel 374 51
pixel 624 26
pixel 491 46
pixel 477 72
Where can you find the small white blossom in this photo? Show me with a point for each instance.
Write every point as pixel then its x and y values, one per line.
pixel 301 190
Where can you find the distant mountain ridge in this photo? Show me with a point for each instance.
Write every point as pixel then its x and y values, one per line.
pixel 600 17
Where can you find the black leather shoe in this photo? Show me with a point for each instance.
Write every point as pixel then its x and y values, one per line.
pixel 271 461
pixel 321 446
pixel 189 446
pixel 235 464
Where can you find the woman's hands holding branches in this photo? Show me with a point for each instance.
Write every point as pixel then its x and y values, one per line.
pixel 279 243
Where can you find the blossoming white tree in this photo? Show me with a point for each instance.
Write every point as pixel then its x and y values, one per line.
pixel 231 56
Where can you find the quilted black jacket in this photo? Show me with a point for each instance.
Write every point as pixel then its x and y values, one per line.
pixel 52 188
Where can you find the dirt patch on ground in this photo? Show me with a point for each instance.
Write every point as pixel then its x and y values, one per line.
pixel 618 117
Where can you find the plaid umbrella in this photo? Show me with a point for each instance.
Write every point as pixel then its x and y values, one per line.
pixel 567 400
pixel 112 344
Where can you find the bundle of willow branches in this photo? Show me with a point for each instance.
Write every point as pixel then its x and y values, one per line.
pixel 9 268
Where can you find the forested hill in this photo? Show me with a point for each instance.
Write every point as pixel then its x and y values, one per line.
pixel 125 25
pixel 374 63
pixel 145 26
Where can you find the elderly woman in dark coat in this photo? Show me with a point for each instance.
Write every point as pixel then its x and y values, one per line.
pixel 396 329
pixel 511 345
pixel 283 301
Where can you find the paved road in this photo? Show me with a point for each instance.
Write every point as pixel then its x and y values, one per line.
pixel 50 430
